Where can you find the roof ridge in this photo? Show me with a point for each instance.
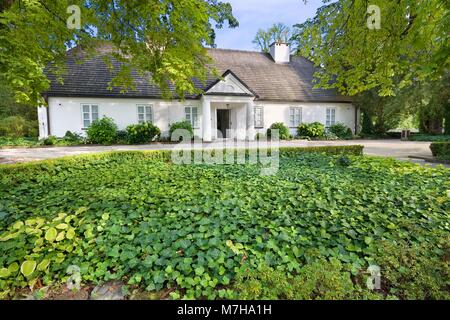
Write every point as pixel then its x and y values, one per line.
pixel 236 50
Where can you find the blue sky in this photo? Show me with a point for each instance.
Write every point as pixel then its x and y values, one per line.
pixel 255 14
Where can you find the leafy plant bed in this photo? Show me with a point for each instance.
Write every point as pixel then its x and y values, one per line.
pixel 195 229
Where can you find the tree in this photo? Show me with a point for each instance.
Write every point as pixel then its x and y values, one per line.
pixel 354 55
pixel 161 37
pixel 277 32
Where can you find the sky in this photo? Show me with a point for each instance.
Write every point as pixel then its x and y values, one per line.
pixel 262 14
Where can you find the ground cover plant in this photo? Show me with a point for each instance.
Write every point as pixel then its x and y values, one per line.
pixel 152 224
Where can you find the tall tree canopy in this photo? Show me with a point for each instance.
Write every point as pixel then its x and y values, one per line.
pixel 277 32
pixel 412 44
pixel 163 37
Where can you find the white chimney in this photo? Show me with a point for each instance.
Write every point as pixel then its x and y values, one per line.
pixel 280 52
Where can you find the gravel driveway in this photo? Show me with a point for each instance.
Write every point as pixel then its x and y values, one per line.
pixel 385 148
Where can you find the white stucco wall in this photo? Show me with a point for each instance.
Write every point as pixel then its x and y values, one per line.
pixel 311 112
pixel 66 113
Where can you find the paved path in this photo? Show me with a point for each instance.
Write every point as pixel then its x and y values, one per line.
pixel 386 148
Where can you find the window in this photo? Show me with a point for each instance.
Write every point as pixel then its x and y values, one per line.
pixel 192 116
pixel 331 117
pixel 295 117
pixel 90 114
pixel 259 117
pixel 145 113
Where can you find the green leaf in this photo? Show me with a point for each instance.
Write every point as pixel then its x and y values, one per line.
pixel 4 273
pixel 51 234
pixel 43 265
pixel 28 267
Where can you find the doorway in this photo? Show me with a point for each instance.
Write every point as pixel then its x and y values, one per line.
pixel 223 121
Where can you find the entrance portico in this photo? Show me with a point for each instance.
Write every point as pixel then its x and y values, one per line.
pixel 230 117
pixel 227 110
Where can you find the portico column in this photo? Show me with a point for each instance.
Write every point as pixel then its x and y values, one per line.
pixel 43 122
pixel 206 123
pixel 250 121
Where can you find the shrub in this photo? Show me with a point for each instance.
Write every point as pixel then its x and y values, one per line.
pixel 186 125
pixel 17 126
pixel 50 141
pixel 73 138
pixel 441 150
pixel 312 130
pixel 341 131
pixel 142 132
pixel 330 136
pixel 282 130
pixel 102 131
pixel 122 137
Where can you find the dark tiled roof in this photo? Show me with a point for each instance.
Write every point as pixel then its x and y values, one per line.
pixel 266 79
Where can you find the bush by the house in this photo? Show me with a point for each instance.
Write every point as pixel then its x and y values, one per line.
pixel 183 125
pixel 50 141
pixel 122 137
pixel 142 133
pixel 73 138
pixel 312 130
pixel 17 126
pixel 341 131
pixel 441 150
pixel 330 136
pixel 102 131
pixel 283 131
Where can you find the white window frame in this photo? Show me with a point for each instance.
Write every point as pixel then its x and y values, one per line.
pixel 146 117
pixel 188 116
pixel 89 115
pixel 295 116
pixel 259 123
pixel 330 117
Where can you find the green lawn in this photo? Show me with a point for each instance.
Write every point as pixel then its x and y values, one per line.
pixel 152 224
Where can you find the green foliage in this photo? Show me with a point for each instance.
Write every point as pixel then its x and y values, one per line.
pixel 341 131
pixel 41 248
pixel 349 53
pixel 102 131
pixel 278 32
pixel 35 34
pixel 142 133
pixel 132 229
pixel 72 138
pixel 429 137
pixel 50 141
pixel 122 137
pixel 312 130
pixel 21 142
pixel 441 150
pixel 320 280
pixel 17 126
pixel 283 131
pixel 410 274
pixel 183 125
pixel 344 161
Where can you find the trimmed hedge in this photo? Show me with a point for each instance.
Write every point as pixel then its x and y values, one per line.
pixel 441 150
pixel 164 155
